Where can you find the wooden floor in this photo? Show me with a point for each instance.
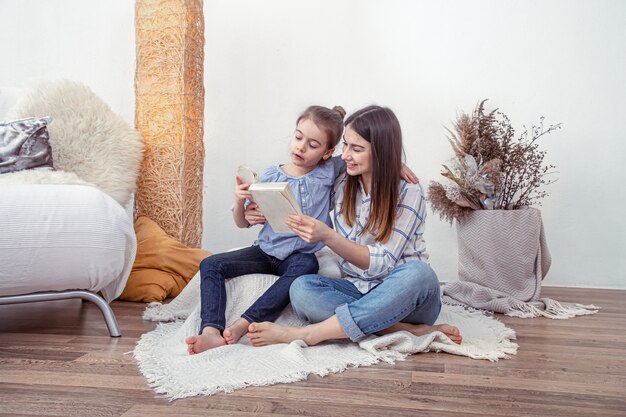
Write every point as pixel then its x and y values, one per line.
pixel 56 359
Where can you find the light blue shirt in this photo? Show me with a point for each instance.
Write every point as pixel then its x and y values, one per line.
pixel 312 191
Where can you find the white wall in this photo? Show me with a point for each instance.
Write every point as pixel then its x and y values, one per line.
pixel 92 42
pixel 267 60
pixel 566 60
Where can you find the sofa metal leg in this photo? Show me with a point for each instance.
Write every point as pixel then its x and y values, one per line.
pixel 105 308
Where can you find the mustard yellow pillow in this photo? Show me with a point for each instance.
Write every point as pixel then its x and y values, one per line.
pixel 163 266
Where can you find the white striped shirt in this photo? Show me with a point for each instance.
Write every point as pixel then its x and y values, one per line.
pixel 405 244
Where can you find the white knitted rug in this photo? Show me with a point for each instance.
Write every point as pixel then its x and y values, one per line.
pixel 163 359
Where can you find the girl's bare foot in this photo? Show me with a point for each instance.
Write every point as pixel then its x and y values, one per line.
pixel 267 333
pixel 233 333
pixel 209 339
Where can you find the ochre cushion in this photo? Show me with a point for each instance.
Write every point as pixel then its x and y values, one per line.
pixel 163 266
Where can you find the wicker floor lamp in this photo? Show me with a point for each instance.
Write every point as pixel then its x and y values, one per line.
pixel 169 113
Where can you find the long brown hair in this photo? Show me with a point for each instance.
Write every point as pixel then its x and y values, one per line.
pixel 380 127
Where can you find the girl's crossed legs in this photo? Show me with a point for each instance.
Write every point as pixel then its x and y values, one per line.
pixel 215 269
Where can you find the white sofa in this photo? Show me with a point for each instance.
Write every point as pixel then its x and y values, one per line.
pixel 65 233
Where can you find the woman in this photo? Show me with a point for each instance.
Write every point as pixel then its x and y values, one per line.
pixel 379 222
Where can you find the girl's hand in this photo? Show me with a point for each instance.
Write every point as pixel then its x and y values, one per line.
pixel 309 229
pixel 253 214
pixel 408 175
pixel 241 191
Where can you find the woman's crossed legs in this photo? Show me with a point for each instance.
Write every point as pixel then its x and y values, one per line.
pixel 408 299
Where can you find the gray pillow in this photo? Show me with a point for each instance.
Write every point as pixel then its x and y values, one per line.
pixel 24 144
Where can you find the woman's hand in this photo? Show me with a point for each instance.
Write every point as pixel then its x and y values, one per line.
pixel 253 215
pixel 309 229
pixel 241 191
pixel 408 175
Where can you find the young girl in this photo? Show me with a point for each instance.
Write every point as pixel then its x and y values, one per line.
pixel 379 222
pixel 310 175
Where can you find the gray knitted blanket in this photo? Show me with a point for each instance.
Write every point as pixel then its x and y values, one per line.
pixel 503 258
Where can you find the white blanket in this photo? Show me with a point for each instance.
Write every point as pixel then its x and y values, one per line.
pixel 163 359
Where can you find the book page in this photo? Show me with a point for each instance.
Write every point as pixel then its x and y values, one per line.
pixel 276 201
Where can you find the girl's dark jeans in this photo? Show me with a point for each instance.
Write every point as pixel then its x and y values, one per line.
pixel 216 268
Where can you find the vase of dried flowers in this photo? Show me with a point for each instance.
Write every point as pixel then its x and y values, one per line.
pixel 492 169
pixel 490 184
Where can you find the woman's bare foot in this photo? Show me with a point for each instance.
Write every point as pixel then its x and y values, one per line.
pixel 233 333
pixel 267 333
pixel 451 331
pixel 209 339
pixel 421 329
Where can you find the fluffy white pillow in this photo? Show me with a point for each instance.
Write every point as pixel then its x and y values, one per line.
pixel 87 138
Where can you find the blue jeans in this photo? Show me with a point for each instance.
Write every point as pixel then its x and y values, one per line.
pixel 410 293
pixel 215 269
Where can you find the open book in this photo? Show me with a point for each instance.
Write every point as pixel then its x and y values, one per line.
pixel 275 199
